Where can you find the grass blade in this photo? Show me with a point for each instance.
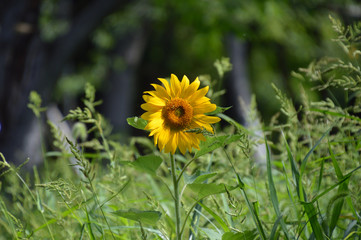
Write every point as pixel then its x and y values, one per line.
pixel 337 207
pixel 274 228
pixel 345 178
pixel 216 217
pixel 320 175
pixel 249 204
pixel 308 206
pixel 312 216
pixel 304 161
pixel 295 173
pixel 273 192
pixel 90 229
pixel 310 210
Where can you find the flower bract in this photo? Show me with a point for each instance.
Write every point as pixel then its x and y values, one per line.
pixel 174 111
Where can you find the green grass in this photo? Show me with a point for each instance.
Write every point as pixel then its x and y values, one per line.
pixel 306 187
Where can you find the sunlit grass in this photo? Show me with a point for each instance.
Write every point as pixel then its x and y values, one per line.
pixel 305 186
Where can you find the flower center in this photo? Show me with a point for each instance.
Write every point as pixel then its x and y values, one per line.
pixel 177 113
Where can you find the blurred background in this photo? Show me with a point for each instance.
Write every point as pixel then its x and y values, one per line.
pixel 121 46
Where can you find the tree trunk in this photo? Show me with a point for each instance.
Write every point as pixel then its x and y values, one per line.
pixel 27 63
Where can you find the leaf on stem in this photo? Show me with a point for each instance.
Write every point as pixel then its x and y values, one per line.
pixel 149 163
pixel 137 122
pixel 206 189
pixel 213 143
pixel 146 217
pixel 198 177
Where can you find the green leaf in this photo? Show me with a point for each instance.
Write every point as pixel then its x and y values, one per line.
pixel 233 122
pixel 39 202
pixel 211 234
pixel 147 217
pixel 92 237
pixel 198 177
pixel 149 163
pixel 216 217
pixel 312 216
pixel 304 161
pixel 309 208
pixel 251 206
pixel 337 207
pixel 246 235
pixel 345 178
pixel 274 228
pixel 137 122
pixel 213 143
pixel 203 189
pixel 219 110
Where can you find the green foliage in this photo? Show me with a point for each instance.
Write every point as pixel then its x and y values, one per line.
pixel 149 163
pixel 147 217
pixel 137 122
pixel 35 103
pixel 203 189
pixel 306 187
pixel 213 143
pixel 223 65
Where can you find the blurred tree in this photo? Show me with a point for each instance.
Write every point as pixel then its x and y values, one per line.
pixel 31 61
pixel 54 47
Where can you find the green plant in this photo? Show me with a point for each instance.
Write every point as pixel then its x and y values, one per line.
pixel 93 187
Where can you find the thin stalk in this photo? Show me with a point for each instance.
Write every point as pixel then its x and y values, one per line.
pixel 250 206
pixel 33 197
pixel 100 207
pixel 105 142
pixel 184 168
pixel 176 198
pixel 198 209
pixel 43 148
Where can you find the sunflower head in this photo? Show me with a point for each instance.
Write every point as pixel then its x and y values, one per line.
pixel 174 108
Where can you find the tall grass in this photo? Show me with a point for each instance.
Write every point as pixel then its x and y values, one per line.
pixel 306 187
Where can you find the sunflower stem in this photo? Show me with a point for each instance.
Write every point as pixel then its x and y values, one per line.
pixel 176 198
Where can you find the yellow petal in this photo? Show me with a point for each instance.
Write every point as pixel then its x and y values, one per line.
pixel 201 100
pixel 184 85
pixel 163 138
pixel 166 85
pixel 204 108
pixel 201 124
pixel 187 141
pixel 175 85
pixel 194 142
pixel 159 92
pixel 154 100
pixel 151 115
pixel 155 123
pixel 191 89
pixel 197 95
pixel 151 107
pixel 208 119
pixel 171 145
pixel 155 133
pixel 182 142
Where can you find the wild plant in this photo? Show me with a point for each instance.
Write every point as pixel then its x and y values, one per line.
pixel 306 187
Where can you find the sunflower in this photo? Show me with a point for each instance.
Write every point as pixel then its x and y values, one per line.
pixel 175 108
